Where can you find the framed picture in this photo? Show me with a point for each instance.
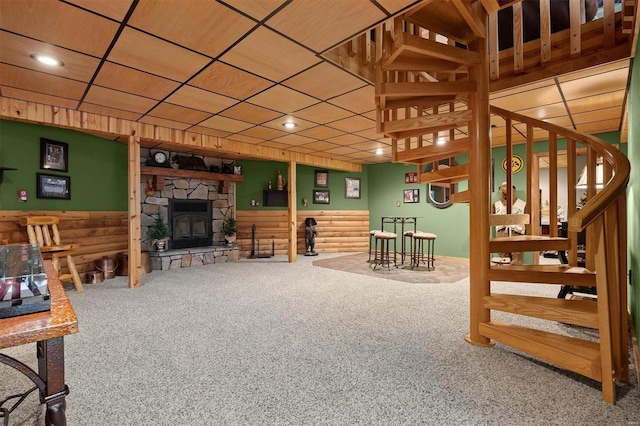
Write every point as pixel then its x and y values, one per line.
pixel 352 187
pixel 411 177
pixel 322 179
pixel 411 195
pixel 51 186
pixel 54 155
pixel 320 196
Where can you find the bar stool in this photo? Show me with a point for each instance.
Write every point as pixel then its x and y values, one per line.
pixel 405 235
pixel 371 241
pixel 418 255
pixel 382 256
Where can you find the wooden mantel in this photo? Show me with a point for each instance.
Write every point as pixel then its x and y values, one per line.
pixel 159 173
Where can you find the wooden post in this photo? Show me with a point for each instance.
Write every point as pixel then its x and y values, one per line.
pixel 135 269
pixel 479 199
pixel 292 213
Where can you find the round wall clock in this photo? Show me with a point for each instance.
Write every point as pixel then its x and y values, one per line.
pixel 159 159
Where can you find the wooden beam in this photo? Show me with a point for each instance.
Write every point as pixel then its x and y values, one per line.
pixel 135 248
pixel 427 154
pixel 292 212
pixel 177 140
pixel 471 18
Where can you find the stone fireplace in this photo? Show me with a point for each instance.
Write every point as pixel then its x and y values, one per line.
pixel 199 205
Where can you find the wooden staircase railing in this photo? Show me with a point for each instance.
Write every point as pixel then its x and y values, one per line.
pixel 432 82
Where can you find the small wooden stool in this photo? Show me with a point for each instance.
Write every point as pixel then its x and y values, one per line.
pixel 418 255
pixel 382 256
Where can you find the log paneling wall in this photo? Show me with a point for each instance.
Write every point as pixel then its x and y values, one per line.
pixel 338 230
pixel 98 233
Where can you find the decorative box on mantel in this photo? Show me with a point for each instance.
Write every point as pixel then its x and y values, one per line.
pixel 185 258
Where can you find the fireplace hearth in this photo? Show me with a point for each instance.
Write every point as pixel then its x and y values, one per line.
pixel 190 222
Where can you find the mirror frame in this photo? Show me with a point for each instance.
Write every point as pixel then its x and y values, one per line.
pixel 428 168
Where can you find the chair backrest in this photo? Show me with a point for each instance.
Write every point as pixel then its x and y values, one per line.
pixel 42 230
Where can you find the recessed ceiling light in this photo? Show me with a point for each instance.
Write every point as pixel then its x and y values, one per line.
pixel 47 60
pixel 290 125
pixel 379 151
pixel 441 141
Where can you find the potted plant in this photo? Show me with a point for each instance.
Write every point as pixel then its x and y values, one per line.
pixel 159 233
pixel 229 227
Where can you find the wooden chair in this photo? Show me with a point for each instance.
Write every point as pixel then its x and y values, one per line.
pixel 43 231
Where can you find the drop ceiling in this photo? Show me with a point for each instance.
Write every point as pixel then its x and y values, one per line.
pixel 240 69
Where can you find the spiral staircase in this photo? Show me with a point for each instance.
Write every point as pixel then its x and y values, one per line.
pixel 433 70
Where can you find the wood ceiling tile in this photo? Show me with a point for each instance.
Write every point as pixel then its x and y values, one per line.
pixel 346 139
pixel 322 23
pixel 546 111
pixel 596 102
pixel 600 126
pixel 210 132
pixel 192 97
pixel 16 50
pixel 251 113
pixel 170 124
pixel 59 24
pixel 324 81
pixel 10 92
pixel 359 101
pixel 133 81
pixel 109 112
pixel 34 81
pixel 600 69
pixel 178 113
pixel 277 145
pixel 342 150
pixel 394 6
pixel 321 146
pixel 225 124
pixel 141 51
pixel 300 149
pixel 293 140
pixel 369 133
pixel 262 132
pixel 321 132
pixel 258 9
pixel 371 115
pixel 283 99
pixel 323 113
pixel 589 86
pixel 212 27
pixel 542 96
pixel 119 100
pixel 114 9
pixel 353 124
pixel 229 81
pixel 269 55
pixel 369 145
pixel 613 113
pixel 521 89
pixel 300 124
pixel 246 139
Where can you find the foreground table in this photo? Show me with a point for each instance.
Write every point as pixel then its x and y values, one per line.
pixel 47 330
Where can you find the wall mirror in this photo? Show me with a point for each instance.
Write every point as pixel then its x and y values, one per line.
pixel 439 195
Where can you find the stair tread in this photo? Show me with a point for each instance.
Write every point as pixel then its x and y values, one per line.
pixel 436 56
pixel 550 274
pixel 577 312
pixel 578 355
pixel 416 126
pixel 522 243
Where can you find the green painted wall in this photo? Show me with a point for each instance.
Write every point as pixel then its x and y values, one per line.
pixel 257 175
pixel 451 225
pixel 633 192
pixel 97 168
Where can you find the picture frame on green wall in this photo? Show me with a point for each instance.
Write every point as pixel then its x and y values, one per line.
pixel 54 155
pixel 321 179
pixel 53 186
pixel 321 197
pixel 352 187
pixel 411 195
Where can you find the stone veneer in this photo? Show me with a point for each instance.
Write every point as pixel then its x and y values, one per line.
pixel 184 258
pixel 186 189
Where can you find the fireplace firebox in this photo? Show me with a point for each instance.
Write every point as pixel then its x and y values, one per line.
pixel 190 223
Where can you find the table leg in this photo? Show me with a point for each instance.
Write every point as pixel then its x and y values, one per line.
pixel 51 370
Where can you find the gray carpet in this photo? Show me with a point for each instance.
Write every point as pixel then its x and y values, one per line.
pixel 265 342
